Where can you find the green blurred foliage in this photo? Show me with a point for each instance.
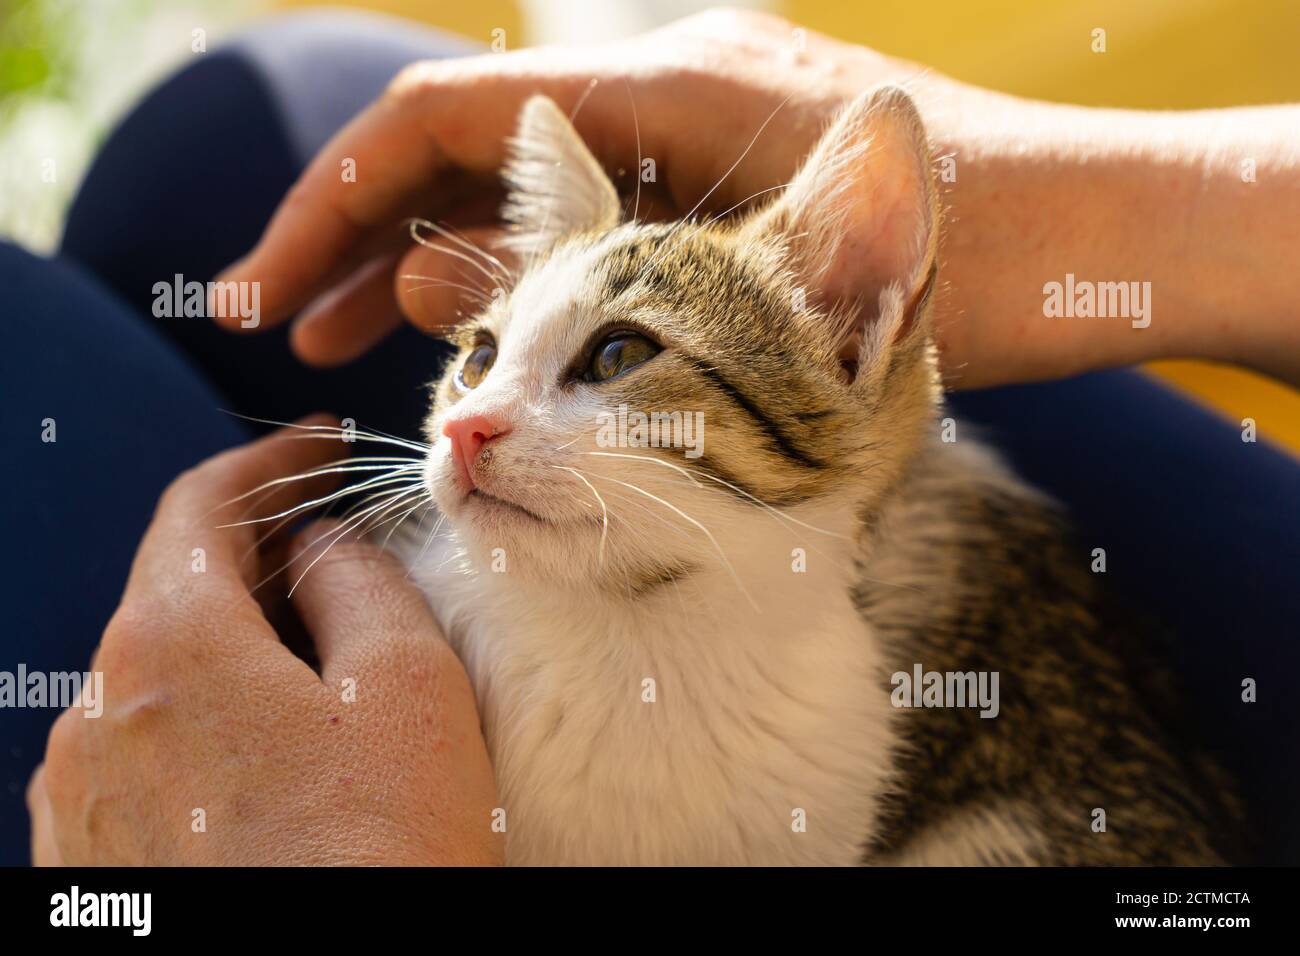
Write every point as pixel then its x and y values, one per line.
pixel 32 49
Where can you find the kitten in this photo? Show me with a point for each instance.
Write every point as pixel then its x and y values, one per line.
pixel 696 659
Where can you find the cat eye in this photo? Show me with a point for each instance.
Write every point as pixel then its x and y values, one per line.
pixel 477 364
pixel 617 354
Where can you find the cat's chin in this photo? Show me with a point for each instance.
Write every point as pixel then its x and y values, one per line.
pixel 495 529
pixel 488 511
pixel 556 554
pixel 479 502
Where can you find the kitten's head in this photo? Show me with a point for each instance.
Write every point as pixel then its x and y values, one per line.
pixel 645 395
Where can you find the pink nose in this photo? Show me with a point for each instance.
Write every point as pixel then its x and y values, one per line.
pixel 468 436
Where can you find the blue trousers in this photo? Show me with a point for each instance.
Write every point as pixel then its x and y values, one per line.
pixel 1201 530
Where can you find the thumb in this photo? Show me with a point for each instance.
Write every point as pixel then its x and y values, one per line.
pixel 368 621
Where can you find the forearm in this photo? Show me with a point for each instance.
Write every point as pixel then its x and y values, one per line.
pixel 1205 206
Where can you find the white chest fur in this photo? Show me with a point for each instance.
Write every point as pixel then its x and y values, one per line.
pixel 685 727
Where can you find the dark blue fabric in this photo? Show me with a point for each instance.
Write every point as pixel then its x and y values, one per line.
pixel 1199 529
pixel 129 414
pixel 184 185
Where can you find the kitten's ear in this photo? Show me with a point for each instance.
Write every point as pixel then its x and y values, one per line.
pixel 860 221
pixel 555 186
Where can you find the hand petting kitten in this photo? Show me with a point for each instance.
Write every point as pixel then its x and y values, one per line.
pixel 1039 190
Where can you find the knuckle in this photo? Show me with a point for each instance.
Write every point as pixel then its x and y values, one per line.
pixel 62 750
pixel 301 196
pixel 181 490
pixel 414 81
pixel 147 707
pixel 134 638
pixel 136 624
pixel 36 791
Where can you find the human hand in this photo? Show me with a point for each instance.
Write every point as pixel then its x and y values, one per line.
pixel 692 97
pixel 726 104
pixel 209 717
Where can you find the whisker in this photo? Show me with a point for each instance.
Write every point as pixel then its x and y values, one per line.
pixel 262 539
pixel 415 234
pixel 349 436
pixel 636 125
pixel 343 466
pixel 635 529
pixel 604 524
pixel 377 481
pixel 270 577
pixel 707 533
pixel 776 514
pixel 338 536
pixel 396 500
pixel 761 192
pixel 478 294
pixel 428 542
pixel 452 234
pixel 723 178
pixel 582 100
pixel 334 431
pixel 693 474
pixel 741 158
pixel 421 501
pixel 347 526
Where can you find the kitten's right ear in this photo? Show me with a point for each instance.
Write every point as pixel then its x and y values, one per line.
pixel 860 223
pixel 555 186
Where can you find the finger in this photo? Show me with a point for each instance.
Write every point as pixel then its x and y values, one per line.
pixel 436 117
pixel 398 680
pixel 365 616
pixel 389 238
pixel 359 309
pixel 45 851
pixel 350 319
pixel 437 285
pixel 187 545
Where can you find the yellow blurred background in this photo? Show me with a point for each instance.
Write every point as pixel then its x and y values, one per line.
pixel 1160 54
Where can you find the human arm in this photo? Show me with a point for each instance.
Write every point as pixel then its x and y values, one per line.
pixel 1040 191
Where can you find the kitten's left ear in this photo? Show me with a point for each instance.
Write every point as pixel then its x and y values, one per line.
pixel 860 222
pixel 555 186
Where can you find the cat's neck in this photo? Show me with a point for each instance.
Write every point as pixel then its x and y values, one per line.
pixel 715 710
pixel 771 576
